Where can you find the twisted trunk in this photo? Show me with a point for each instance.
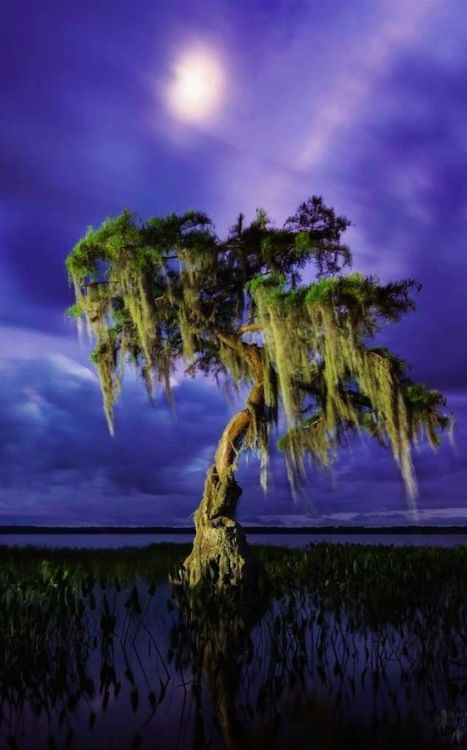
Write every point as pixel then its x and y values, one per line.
pixel 220 555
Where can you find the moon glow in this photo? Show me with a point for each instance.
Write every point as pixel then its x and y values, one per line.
pixel 196 87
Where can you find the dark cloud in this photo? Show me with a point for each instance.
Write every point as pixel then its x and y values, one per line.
pixel 59 463
pixel 54 443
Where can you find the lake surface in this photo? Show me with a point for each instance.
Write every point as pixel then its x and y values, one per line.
pixel 108 541
pixel 371 653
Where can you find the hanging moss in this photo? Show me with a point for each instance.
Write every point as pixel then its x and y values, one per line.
pixel 137 300
pixel 156 293
pixel 331 358
pixel 74 311
pixel 189 342
pixel 234 363
pixel 105 357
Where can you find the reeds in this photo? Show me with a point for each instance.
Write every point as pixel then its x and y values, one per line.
pixel 353 641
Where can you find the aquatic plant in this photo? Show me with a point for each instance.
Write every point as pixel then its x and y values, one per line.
pixel 366 642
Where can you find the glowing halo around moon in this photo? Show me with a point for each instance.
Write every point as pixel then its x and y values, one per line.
pixel 196 87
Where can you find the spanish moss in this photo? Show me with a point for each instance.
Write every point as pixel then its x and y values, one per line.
pixel 168 291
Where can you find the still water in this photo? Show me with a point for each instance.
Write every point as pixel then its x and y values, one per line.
pixel 95 661
pixel 353 647
pixel 108 541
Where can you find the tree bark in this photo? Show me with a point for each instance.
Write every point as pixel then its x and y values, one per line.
pixel 221 557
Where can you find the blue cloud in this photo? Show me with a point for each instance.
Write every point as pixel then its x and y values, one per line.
pixel 370 112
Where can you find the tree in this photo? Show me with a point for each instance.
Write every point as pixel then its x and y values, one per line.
pixel 168 290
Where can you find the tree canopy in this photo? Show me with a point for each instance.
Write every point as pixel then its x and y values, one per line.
pixel 168 290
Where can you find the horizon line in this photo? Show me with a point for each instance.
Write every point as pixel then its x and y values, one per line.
pixel 338 529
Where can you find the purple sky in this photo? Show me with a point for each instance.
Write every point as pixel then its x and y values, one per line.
pixel 362 102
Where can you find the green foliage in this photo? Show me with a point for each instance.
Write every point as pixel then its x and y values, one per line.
pixel 167 290
pixel 271 281
pixel 74 311
pixel 422 398
pixel 353 286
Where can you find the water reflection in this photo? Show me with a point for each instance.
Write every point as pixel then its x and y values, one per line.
pixel 104 664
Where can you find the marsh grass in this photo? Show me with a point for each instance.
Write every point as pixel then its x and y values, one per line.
pixel 154 561
pixel 359 641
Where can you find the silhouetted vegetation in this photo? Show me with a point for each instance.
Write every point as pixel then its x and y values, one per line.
pixel 361 643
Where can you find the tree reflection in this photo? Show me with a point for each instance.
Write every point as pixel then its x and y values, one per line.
pixel 310 667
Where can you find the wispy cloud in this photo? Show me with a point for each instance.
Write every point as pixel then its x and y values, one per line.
pixel 396 27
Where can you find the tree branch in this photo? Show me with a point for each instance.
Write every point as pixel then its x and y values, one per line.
pixel 232 440
pixel 248 328
pixel 251 352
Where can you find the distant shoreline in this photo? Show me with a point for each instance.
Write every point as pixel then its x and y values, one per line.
pixel 407 530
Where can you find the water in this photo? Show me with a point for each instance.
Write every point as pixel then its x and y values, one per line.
pixel 108 541
pixel 92 541
pixel 351 647
pixel 104 668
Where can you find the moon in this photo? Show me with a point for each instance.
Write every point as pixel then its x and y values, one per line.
pixel 196 87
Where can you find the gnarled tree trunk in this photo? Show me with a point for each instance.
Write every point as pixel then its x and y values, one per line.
pixel 221 557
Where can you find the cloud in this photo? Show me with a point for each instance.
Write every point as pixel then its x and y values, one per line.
pixel 58 459
pixel 361 102
pixel 60 466
pixel 395 28
pixel 70 367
